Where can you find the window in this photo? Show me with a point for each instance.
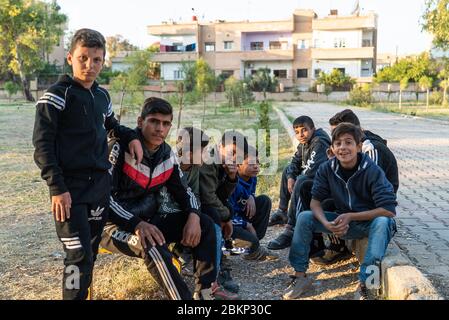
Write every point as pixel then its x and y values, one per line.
pixel 317 73
pixel 281 74
pixel 303 44
pixel 316 43
pixel 366 43
pixel 302 73
pixel 178 74
pixel 256 45
pixel 339 43
pixel 275 45
pixel 342 70
pixel 209 46
pixel 227 73
pixel 228 45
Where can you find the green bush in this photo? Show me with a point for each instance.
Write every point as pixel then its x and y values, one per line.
pixel 237 92
pixel 11 88
pixel 436 97
pixel 361 96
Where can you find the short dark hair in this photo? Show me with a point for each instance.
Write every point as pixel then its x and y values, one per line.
pixel 154 105
pixel 88 38
pixel 190 135
pixel 239 141
pixel 346 115
pixel 250 151
pixel 303 120
pixel 349 128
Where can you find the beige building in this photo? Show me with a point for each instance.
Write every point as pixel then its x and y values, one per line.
pixel 294 50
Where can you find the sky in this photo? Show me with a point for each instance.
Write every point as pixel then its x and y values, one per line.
pixel 398 23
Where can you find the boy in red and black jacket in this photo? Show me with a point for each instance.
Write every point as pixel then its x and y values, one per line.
pixel 136 228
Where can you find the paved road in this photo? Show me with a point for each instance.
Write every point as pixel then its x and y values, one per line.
pixel 422 151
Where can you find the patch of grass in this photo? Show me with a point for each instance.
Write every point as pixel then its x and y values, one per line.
pixel 413 108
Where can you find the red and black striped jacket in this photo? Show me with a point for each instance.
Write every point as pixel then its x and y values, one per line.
pixel 135 187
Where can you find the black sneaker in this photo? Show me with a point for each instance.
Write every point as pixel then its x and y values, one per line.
pixel 278 217
pixel 225 280
pixel 362 293
pixel 284 240
pixel 331 257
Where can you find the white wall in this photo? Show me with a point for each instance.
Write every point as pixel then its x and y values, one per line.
pixel 184 39
pixel 352 67
pixel 168 70
pixel 326 39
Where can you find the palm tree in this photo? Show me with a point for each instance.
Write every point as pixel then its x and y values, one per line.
pixel 426 83
pixel 403 84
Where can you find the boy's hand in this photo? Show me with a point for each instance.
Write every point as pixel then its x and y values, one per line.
pixel 342 224
pixel 192 231
pixel 227 229
pixel 231 170
pixel 290 185
pixel 147 231
pixel 60 206
pixel 250 207
pixel 136 151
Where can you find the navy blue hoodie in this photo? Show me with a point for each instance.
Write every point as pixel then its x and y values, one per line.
pixel 366 189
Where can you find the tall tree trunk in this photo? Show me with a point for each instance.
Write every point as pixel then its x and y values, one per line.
pixel 181 102
pixel 204 107
pixel 23 78
pixel 444 97
pixel 119 117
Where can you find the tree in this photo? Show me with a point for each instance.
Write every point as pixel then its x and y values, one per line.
pixel 444 84
pixel 263 81
pixel 128 83
pixel 426 83
pixel 335 80
pixel 27 28
pixel 205 81
pixel 116 44
pixel 403 84
pixel 436 21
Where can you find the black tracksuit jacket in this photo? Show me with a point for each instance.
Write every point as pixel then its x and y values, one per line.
pixel 70 132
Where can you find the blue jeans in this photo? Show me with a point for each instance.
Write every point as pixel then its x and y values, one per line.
pixel 379 232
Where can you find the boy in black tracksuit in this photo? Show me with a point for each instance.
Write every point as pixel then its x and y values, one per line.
pixel 297 180
pixel 70 130
pixel 137 229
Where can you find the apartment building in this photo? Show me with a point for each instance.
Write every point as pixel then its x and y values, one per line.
pixel 295 50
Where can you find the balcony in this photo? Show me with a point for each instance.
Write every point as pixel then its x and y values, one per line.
pixel 175 56
pixel 345 23
pixel 173 29
pixel 267 55
pixel 342 53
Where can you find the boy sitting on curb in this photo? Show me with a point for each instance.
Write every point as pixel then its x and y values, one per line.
pixel 365 206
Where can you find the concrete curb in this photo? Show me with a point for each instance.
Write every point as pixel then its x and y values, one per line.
pixel 400 279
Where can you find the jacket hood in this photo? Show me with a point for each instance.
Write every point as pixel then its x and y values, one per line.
pixel 320 134
pixel 373 137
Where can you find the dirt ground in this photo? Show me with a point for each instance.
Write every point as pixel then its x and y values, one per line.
pixel 31 255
